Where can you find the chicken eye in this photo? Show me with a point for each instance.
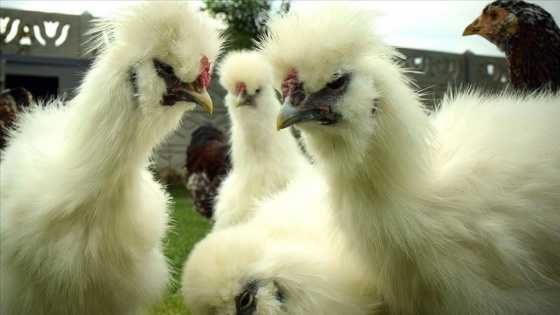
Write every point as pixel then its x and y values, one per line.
pixel 163 67
pixel 246 300
pixel 338 84
pixel 257 91
pixel 493 15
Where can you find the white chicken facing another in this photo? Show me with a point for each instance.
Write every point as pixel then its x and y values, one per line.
pixel 82 219
pixel 454 213
pixel 263 159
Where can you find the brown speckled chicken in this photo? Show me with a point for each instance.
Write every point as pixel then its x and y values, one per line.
pixel 529 37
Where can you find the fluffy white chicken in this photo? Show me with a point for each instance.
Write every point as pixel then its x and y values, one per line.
pixel 457 213
pixel 263 159
pixel 82 219
pixel 280 262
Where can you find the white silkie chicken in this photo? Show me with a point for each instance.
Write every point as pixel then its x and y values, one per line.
pixel 287 260
pixel 457 213
pixel 82 219
pixel 263 159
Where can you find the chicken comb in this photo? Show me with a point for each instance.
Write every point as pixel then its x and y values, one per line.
pixel 290 80
pixel 204 77
pixel 241 87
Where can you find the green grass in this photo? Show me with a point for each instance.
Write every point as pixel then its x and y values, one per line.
pixel 188 227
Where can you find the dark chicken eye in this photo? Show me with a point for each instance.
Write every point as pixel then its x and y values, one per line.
pixel 167 69
pixel 493 15
pixel 163 67
pixel 257 91
pixel 338 84
pixel 245 301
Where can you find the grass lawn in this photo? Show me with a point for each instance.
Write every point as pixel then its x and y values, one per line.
pixel 188 227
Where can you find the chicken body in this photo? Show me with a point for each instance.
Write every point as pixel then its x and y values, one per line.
pixel 529 37
pixel 453 213
pixel 263 159
pixel 82 219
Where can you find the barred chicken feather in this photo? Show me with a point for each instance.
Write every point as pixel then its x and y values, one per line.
pixel 529 37
pixel 208 163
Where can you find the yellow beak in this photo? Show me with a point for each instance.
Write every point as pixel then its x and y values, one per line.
pixel 472 29
pixel 203 99
pixel 240 99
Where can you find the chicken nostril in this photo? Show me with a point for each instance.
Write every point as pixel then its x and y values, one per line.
pixel 296 99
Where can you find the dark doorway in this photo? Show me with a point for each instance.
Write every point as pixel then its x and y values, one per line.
pixel 42 88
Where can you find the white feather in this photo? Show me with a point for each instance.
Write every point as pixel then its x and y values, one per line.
pixel 82 219
pixel 454 213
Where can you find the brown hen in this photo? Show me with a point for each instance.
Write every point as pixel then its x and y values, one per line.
pixel 529 37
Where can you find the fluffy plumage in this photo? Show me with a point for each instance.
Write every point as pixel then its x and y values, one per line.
pixel 82 219
pixel 281 262
pixel 529 37
pixel 208 163
pixel 263 159
pixel 453 213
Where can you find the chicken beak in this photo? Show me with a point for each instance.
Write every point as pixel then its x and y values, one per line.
pixel 240 100
pixel 198 95
pixel 472 29
pixel 203 99
pixel 290 115
pixel 287 115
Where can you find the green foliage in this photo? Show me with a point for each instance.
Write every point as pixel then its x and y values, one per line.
pixel 245 19
pixel 188 227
